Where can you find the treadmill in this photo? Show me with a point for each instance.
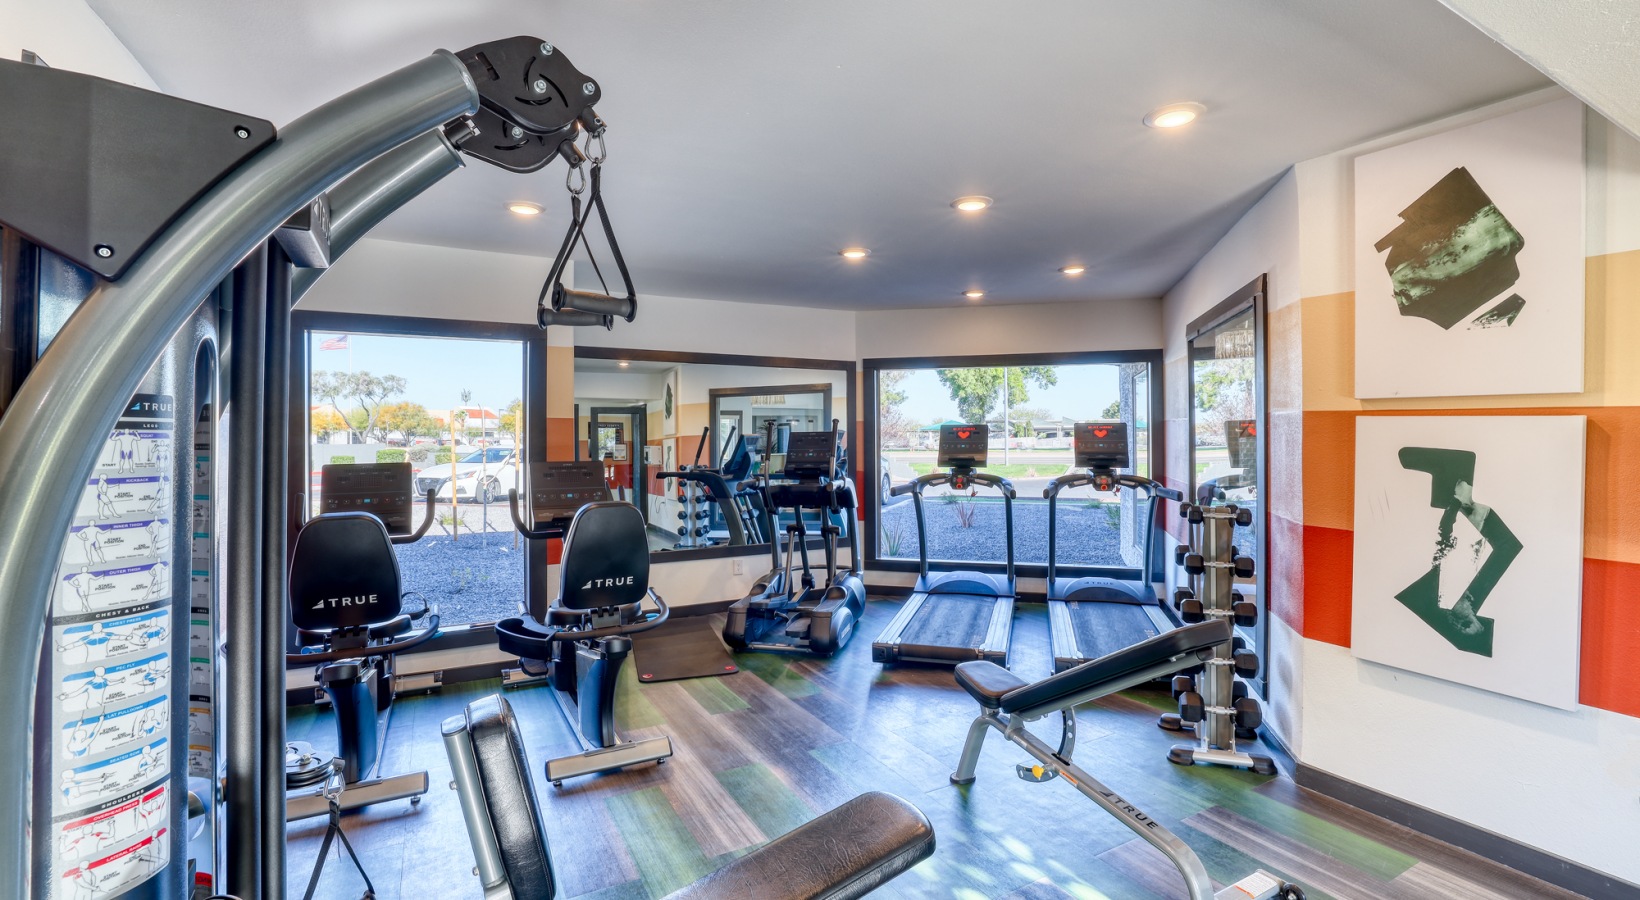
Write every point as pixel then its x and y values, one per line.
pixel 958 615
pixel 1095 616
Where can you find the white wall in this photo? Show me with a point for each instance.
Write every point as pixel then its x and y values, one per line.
pixel 716 326
pixel 397 279
pixel 67 35
pixel 980 330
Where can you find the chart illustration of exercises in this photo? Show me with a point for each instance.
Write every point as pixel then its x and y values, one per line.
pixel 111 643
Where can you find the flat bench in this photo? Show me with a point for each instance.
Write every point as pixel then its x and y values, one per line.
pixel 848 852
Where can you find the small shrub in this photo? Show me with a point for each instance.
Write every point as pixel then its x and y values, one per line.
pixel 341 460
pixel 390 455
pixel 968 509
pixel 1113 515
pixel 418 454
pixel 893 537
pixel 1093 503
pixel 443 455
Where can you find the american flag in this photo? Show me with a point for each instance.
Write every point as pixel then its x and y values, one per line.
pixel 336 343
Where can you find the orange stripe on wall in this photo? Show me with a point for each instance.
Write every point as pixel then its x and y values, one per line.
pixel 1610 662
pixel 1285 567
pixel 1329 578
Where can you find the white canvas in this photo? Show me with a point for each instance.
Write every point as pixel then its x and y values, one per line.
pixel 1528 485
pixel 1530 165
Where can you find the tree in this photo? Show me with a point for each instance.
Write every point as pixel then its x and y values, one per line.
pixel 1113 411
pixel 371 393
pixel 894 426
pixel 408 419
pixel 977 391
pixel 508 424
pixel 326 422
pixel 1223 390
pixel 330 387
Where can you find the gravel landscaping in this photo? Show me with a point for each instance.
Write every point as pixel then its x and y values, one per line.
pixel 1086 536
pixel 479 578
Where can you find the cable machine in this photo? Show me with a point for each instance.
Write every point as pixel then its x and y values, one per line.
pixel 169 381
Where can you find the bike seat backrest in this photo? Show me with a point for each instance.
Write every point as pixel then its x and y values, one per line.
pixel 606 558
pixel 343 573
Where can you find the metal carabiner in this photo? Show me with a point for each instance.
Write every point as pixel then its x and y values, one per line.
pixel 603 150
pixel 569 183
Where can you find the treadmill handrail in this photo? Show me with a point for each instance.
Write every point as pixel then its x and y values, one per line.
pixel 915 489
pixel 1151 488
pixel 54 428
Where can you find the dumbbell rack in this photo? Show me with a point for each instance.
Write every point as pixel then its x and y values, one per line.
pixel 1214 703
pixel 694 516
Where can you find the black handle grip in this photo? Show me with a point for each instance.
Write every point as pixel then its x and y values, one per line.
pixel 426 521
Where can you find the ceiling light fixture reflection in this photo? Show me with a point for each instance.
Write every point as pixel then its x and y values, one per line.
pixel 973 203
pixel 1174 115
pixel 974 294
pixel 856 253
pixel 1073 270
pixel 524 208
pixel 623 364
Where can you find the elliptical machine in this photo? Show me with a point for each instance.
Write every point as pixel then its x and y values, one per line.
pixel 346 602
pixel 585 635
pixel 817 619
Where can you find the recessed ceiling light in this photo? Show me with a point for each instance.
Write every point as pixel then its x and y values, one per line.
pixel 524 208
pixel 1073 270
pixel 973 203
pixel 1174 114
pixel 973 295
pixel 623 364
pixel 856 253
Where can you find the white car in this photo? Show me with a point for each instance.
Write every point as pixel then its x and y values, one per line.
pixel 482 476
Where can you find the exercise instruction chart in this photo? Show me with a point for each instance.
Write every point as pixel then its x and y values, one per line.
pixel 112 671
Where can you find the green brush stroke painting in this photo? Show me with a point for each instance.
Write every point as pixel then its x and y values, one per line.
pixel 1500 316
pixel 1453 252
pixel 1452 478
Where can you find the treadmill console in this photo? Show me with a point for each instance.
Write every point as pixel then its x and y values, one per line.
pixel 381 489
pixel 1101 446
pixel 558 490
pixel 811 455
pixel 963 446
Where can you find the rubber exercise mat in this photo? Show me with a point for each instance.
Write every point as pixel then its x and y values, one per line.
pixel 684 647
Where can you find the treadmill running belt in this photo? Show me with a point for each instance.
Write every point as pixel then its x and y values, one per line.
pixel 950 620
pixel 1104 628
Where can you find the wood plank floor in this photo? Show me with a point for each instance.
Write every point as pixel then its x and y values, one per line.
pixel 787 737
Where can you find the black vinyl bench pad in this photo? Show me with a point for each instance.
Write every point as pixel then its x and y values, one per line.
pixel 997 688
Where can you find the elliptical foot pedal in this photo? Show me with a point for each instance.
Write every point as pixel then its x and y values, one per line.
pixel 799 627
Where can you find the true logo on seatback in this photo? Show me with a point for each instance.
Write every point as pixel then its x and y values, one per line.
pixel 333 602
pixel 609 582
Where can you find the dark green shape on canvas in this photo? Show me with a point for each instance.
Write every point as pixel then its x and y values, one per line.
pixel 1452 477
pixel 1500 316
pixel 1452 253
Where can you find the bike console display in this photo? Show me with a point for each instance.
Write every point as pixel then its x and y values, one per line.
pixel 559 489
pixel 963 446
pixel 811 455
pixel 381 489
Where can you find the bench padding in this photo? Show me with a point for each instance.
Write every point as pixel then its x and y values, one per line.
pixel 987 682
pixel 848 852
pixel 503 771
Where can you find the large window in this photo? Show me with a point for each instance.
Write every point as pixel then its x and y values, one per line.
pixel 448 399
pixel 1029 407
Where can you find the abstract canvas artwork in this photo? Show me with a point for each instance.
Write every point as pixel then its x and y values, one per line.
pixel 1469 259
pixel 1469 550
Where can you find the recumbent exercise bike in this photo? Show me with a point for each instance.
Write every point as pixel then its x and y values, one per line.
pixel 581 641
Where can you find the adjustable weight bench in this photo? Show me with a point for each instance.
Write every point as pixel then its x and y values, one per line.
pixel 1007 702
pixel 848 852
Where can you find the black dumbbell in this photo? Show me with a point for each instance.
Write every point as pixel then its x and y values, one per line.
pixel 1238 643
pixel 1248 713
pixel 1244 612
pixel 1194 563
pixel 1181 684
pixel 1179 554
pixel 1184 510
pixel 1243 566
pixel 1191 707
pixel 1194 515
pixel 1246 663
pixel 1180 595
pixel 1244 516
pixel 1191 611
pixel 1238 690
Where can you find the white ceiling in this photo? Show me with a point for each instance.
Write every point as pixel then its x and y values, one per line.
pixel 750 141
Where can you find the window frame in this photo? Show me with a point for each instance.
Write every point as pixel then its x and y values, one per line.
pixel 1251 297
pixel 532 392
pixel 871 369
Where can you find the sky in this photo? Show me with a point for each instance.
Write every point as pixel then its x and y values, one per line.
pixel 436 369
pixel 1082 393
